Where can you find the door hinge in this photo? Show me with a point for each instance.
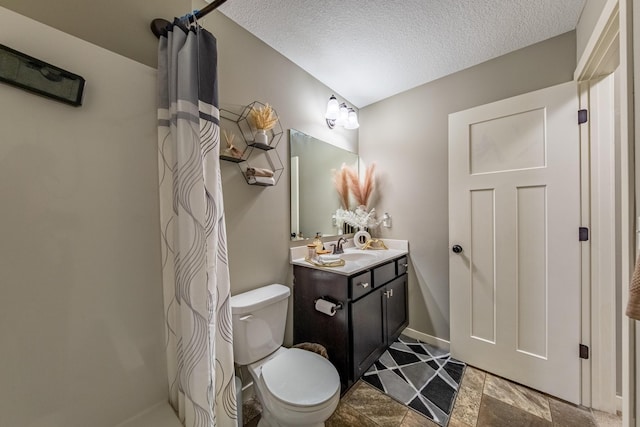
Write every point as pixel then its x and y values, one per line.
pixel 583 234
pixel 584 351
pixel 583 116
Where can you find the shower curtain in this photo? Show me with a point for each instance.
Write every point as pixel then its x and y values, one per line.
pixel 195 271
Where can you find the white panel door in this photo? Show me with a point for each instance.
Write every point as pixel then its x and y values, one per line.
pixel 514 209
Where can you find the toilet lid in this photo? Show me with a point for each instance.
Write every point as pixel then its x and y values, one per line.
pixel 300 377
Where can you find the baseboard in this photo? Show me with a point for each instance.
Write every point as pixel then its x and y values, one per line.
pixel 158 415
pixel 619 403
pixel 429 339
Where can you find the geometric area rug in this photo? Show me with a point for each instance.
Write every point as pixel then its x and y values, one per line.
pixel 420 376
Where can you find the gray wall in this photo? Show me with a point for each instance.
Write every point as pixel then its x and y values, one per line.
pixel 586 24
pixel 407 135
pixel 258 218
pixel 81 300
pixel 81 317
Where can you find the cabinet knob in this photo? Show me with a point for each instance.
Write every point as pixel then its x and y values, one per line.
pixel 405 265
pixel 363 284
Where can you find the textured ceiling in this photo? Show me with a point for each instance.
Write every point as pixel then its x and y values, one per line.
pixel 368 50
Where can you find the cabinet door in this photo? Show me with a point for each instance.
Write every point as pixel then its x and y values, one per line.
pixel 367 331
pixel 395 297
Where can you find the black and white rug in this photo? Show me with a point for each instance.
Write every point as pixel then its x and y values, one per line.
pixel 419 375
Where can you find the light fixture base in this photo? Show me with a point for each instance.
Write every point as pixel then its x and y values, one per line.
pixel 331 123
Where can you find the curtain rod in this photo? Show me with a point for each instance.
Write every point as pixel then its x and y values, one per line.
pixel 158 25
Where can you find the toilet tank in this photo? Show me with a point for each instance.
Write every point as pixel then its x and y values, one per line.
pixel 259 318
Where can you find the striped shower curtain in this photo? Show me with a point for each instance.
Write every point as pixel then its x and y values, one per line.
pixel 195 271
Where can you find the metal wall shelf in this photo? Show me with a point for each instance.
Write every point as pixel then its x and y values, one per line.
pixel 254 154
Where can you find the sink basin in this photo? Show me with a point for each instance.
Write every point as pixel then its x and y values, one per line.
pixel 358 256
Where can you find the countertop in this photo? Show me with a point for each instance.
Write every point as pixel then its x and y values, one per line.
pixel 369 257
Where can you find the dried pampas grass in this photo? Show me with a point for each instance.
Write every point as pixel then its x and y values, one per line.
pixel 354 186
pixel 341 182
pixel 368 185
pixel 362 190
pixel 263 117
pixel 346 181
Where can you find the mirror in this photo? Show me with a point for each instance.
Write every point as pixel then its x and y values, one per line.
pixel 314 199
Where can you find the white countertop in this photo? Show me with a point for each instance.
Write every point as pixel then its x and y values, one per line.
pixel 367 258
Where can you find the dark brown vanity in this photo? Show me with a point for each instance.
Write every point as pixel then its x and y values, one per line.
pixel 372 314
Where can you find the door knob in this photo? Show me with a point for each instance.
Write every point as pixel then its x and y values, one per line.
pixel 456 249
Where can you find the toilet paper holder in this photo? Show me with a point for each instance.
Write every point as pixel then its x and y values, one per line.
pixel 331 300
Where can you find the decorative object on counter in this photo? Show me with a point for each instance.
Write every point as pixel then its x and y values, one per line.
pixel 361 238
pixel 317 261
pixel 263 118
pixel 338 114
pixel 327 256
pixel 374 244
pixel 231 150
pixel 359 218
pixel 311 251
pixel 318 242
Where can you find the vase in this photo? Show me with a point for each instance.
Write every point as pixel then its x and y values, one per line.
pixel 261 137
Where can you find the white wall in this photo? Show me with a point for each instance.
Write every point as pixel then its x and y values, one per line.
pixel 81 317
pixel 407 135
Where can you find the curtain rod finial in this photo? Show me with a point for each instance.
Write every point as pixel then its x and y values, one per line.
pixel 158 26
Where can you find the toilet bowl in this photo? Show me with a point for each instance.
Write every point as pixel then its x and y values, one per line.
pixel 295 387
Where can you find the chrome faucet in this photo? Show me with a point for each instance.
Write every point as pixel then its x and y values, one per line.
pixel 337 247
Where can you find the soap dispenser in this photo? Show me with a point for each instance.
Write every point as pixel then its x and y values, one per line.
pixel 318 242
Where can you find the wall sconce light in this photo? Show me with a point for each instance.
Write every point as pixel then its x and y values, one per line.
pixel 340 115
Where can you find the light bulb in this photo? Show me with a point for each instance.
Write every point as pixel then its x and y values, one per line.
pixel 343 115
pixel 352 120
pixel 333 109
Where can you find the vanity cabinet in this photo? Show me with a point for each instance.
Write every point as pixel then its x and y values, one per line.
pixel 373 313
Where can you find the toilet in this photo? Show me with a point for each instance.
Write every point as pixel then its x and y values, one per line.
pixel 295 387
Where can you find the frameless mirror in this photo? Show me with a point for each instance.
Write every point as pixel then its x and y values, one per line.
pixel 314 199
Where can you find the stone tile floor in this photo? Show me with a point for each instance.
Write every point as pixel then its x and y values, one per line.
pixel 484 400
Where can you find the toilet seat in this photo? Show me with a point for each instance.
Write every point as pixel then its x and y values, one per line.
pixel 301 379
